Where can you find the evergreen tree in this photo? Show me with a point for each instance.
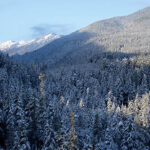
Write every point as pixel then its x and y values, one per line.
pixel 72 134
pixel 144 111
pixel 49 134
pixel 96 131
pixel 21 138
pixel 40 109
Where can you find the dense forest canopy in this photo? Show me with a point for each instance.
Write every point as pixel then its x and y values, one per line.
pixel 99 105
pixel 89 90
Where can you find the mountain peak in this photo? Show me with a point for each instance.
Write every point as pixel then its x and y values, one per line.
pixel 127 34
pixel 50 35
pixel 21 47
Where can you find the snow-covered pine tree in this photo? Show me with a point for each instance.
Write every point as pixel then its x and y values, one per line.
pixel 144 111
pixel 21 141
pixel 136 109
pixel 96 132
pixel 40 109
pixel 49 140
pixel 3 130
pixel 31 117
pixel 61 138
pixel 72 134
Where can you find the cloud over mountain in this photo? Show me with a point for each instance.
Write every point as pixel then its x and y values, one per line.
pixel 42 29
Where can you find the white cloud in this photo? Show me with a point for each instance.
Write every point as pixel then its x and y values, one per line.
pixel 40 30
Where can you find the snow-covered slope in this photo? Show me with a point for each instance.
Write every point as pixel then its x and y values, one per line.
pixel 22 47
pixel 128 34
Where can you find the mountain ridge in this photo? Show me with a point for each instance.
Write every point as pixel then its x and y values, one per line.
pixel 123 34
pixel 21 47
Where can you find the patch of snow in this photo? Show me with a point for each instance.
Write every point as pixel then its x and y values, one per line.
pixel 22 47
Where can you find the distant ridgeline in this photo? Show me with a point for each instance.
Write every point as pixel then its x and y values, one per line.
pixel 128 34
pixel 22 47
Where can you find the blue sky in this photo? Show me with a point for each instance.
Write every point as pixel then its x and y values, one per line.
pixel 29 19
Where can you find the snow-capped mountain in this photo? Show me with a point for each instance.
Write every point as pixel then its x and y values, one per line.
pixel 127 34
pixel 22 47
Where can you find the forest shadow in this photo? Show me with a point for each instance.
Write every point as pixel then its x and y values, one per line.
pixel 72 53
pixel 118 72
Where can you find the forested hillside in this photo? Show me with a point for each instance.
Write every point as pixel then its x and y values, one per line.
pixel 89 90
pixel 103 104
pixel 127 34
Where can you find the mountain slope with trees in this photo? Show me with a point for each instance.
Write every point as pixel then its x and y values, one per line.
pixel 102 105
pixel 128 34
pixel 95 101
